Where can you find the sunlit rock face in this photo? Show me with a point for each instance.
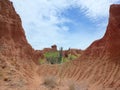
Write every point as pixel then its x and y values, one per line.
pixel 113 33
pixel 109 46
pixel 13 42
pixel 17 57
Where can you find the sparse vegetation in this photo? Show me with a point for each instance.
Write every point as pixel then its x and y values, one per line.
pixel 57 57
pixel 60 55
pixel 65 60
pixel 72 87
pixel 50 82
pixel 71 57
pixel 52 57
pixel 41 61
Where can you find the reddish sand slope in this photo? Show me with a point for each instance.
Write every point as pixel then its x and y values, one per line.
pixel 98 68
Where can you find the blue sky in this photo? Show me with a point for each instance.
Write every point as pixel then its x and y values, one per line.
pixel 66 23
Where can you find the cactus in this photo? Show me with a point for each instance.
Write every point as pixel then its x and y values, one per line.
pixel 60 55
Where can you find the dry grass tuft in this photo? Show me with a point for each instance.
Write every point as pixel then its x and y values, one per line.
pixel 72 87
pixel 50 82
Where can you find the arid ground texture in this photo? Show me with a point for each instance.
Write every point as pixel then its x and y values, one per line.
pixel 96 68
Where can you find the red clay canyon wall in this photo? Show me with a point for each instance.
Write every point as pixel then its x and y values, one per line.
pixel 13 42
pixel 99 65
pixel 98 68
pixel 16 55
pixel 109 46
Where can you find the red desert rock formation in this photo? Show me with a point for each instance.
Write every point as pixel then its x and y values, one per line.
pixel 13 42
pixel 98 68
pixel 99 65
pixel 16 55
pixel 75 52
pixel 52 49
pixel 109 46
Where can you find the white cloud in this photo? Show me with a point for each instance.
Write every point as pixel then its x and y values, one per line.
pixel 95 8
pixel 41 18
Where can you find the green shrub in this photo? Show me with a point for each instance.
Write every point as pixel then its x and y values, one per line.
pixel 42 61
pixel 71 57
pixel 52 57
pixel 56 57
pixel 65 60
